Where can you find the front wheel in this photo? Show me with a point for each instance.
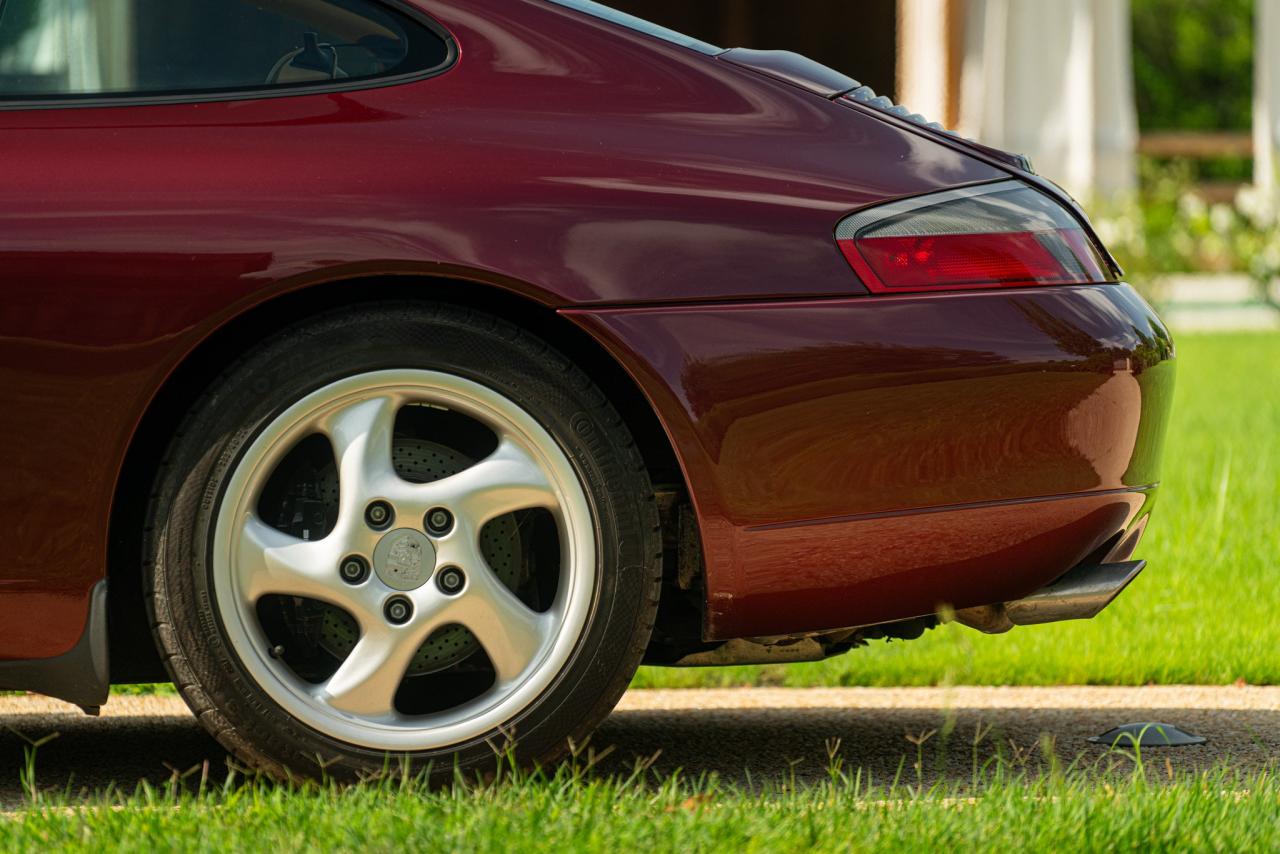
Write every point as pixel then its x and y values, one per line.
pixel 402 531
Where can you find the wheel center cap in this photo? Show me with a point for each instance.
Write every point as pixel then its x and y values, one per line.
pixel 404 559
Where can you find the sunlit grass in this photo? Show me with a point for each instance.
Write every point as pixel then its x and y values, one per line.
pixel 1126 806
pixel 1206 610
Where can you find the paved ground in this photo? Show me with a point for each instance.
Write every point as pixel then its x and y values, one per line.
pixel 741 734
pixel 1213 302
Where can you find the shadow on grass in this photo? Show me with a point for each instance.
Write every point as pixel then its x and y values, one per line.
pixel 750 748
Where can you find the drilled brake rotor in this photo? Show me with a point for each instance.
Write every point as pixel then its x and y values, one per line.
pixel 420 461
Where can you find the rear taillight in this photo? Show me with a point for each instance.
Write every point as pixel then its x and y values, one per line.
pixel 1000 235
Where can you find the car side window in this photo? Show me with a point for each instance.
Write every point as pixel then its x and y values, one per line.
pixel 55 49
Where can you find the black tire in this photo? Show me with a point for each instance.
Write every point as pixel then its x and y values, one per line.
pixel 180 595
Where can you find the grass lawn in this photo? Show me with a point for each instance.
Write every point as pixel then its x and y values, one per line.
pixel 1204 611
pixel 570 813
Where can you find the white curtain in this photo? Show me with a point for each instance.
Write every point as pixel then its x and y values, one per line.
pixel 1266 100
pixel 1053 79
pixel 922 57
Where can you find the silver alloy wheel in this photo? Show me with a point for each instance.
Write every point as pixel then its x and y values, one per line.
pixel 528 648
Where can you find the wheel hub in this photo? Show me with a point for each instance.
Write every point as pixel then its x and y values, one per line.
pixel 422 462
pixel 404 559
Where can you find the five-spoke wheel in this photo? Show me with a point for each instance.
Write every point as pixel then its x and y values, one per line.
pixel 404 531
pixel 422 542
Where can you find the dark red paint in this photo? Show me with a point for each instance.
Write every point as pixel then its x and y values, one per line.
pixel 792 68
pixel 587 168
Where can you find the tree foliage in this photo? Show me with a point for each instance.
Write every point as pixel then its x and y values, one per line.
pixel 1193 63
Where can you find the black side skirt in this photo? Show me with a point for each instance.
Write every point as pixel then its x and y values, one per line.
pixel 80 675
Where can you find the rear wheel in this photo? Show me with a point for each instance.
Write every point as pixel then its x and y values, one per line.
pixel 402 531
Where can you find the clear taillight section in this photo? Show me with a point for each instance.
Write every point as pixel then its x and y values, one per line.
pixel 998 235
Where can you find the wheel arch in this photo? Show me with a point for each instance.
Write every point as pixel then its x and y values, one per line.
pixel 133 654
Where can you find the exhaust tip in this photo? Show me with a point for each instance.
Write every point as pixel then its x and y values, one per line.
pixel 1079 595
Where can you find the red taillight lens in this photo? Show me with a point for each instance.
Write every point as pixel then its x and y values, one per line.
pixel 996 235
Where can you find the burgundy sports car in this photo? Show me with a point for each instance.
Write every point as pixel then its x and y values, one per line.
pixel 396 376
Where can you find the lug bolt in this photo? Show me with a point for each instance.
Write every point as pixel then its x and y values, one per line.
pixel 398 610
pixel 378 515
pixel 354 569
pixel 439 522
pixel 451 580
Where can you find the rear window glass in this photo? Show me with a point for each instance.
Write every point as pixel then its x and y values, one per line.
pixel 631 22
pixel 92 48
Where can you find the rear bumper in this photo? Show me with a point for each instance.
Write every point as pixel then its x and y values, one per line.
pixel 870 459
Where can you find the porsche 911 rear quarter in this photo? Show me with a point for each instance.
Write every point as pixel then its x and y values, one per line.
pixel 893 371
